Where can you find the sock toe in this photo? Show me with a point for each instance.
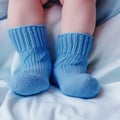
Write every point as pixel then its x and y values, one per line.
pixel 28 83
pixel 84 86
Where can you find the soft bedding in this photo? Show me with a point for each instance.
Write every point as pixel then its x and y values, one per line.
pixel 3 9
pixel 104 64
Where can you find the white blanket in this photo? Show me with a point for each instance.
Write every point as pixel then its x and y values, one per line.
pixel 104 64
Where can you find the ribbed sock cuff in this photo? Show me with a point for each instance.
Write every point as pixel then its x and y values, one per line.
pixel 74 43
pixel 28 37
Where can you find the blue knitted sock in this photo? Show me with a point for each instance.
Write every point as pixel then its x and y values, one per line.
pixel 30 43
pixel 70 67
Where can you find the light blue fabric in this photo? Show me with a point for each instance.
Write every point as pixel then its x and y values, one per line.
pixel 30 43
pixel 3 9
pixel 71 64
pixel 107 9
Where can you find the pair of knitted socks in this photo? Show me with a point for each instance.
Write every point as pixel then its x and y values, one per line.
pixel 69 70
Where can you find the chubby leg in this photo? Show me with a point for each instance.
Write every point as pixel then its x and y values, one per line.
pixel 26 12
pixel 78 16
pixel 28 36
pixel 73 48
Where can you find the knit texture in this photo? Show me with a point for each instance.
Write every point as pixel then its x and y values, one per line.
pixel 71 64
pixel 30 43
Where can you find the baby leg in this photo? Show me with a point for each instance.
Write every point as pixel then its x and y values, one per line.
pixel 73 48
pixel 28 36
pixel 78 16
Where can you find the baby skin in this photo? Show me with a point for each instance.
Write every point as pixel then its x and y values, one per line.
pixel 27 32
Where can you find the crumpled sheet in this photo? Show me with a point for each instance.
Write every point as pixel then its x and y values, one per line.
pixel 104 64
pixel 53 105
